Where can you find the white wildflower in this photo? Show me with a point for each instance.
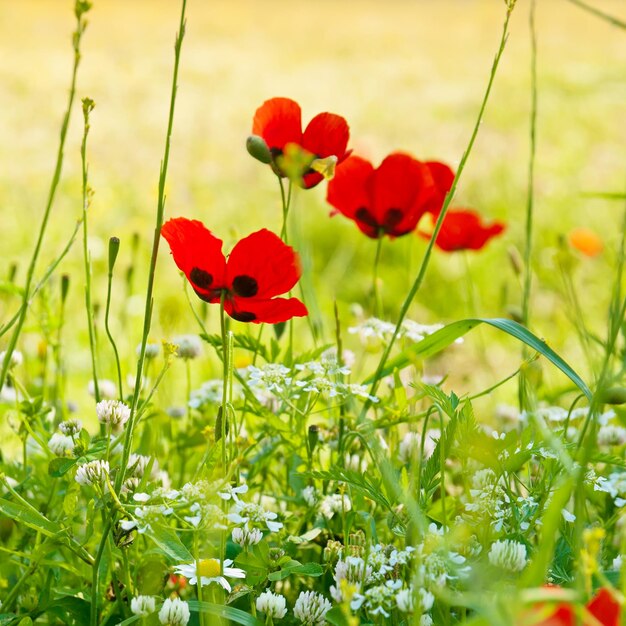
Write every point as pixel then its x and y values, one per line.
pixel 243 513
pixel 311 608
pixel 61 444
pixel 210 571
pixel 92 473
pixel 567 516
pixel 610 435
pixel 272 604
pixel 174 612
pixel 509 555
pixel 113 413
pixel 187 346
pixel 334 503
pixel 245 536
pixel 271 377
pixel 142 605
pixel 106 388
pixel 310 495
pixel 71 427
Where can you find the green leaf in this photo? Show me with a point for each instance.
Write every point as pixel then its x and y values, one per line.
pixel 169 543
pixel 226 612
pixel 295 567
pixel 448 334
pixel 59 466
pixel 336 617
pixel 30 517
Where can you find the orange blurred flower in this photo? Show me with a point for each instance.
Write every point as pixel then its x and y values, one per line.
pixel 586 241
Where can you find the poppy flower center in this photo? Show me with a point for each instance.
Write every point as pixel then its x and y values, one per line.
pixel 245 286
pixel 201 278
pixel 209 568
pixel 243 316
pixel 392 218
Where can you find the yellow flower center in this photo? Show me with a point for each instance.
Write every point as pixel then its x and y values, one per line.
pixel 209 568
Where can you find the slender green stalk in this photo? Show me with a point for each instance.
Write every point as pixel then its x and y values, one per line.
pixel 114 243
pixel 426 258
pixel 523 395
pixel 81 8
pixel 153 259
pixel 88 106
pixel 286 203
pixel 375 293
pixel 95 571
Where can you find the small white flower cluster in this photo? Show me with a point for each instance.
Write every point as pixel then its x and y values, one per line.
pixel 187 346
pixel 248 514
pixel 113 413
pixel 106 388
pixel 489 502
pixel 311 608
pixel 327 506
pixel 374 328
pixel 272 604
pixel 93 473
pixel 273 377
pixel 210 394
pixel 614 485
pixel 508 555
pixel 142 606
pixel 174 612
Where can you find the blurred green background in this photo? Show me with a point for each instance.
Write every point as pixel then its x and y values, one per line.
pixel 407 75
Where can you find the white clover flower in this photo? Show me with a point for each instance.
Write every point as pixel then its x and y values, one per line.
pixel 246 512
pixel 210 571
pixel 71 427
pixel 113 413
pixel 311 608
pixel 334 503
pixel 271 376
pixel 138 463
pixel 426 620
pixel 142 605
pixel 187 346
pixel 509 555
pixel 174 612
pixel 92 473
pixel 60 444
pixel 245 537
pixel 272 604
pixel 354 571
pixel 17 358
pixel 107 389
pixel 404 600
pixel 610 435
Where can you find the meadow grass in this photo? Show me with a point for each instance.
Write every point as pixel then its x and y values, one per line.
pixel 406 75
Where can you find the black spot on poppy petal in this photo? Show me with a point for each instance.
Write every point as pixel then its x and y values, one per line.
pixel 245 286
pixel 243 316
pixel 207 297
pixel 363 215
pixel 200 278
pixel 392 218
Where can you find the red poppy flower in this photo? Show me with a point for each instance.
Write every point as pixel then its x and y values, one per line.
pixel 259 268
pixel 604 608
pixel 443 176
pixel 462 229
pixel 389 200
pixel 279 123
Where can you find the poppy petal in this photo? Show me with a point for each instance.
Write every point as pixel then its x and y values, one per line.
pixel 269 311
pixel 262 266
pixel 279 122
pixel 462 229
pixel 327 134
pixel 399 190
pixel 443 177
pixel 605 608
pixel 347 191
pixel 198 254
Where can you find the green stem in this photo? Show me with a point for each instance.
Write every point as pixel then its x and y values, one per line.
pixel 86 197
pixel 375 294
pixel 601 14
pixel 426 259
pixel 110 336
pixel 286 202
pixel 95 572
pixel 155 250
pixel 81 24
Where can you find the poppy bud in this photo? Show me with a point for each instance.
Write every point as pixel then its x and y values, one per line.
pixel 258 149
pixel 65 285
pixel 314 436
pixel 114 248
pixel 613 395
